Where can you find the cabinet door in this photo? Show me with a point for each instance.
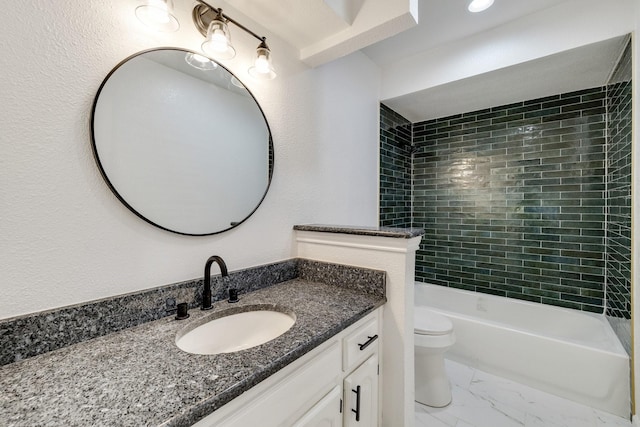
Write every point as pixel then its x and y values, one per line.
pixel 325 413
pixel 361 395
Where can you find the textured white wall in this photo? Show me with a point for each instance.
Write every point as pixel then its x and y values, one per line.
pixel 66 239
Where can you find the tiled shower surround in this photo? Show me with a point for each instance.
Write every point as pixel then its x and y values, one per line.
pixel 512 198
pixel 619 189
pixel 395 169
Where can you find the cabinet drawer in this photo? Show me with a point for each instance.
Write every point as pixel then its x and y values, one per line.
pixel 360 344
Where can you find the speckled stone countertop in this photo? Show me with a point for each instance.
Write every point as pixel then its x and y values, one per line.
pixel 400 233
pixel 138 377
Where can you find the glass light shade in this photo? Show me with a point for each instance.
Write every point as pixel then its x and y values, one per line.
pixel 158 14
pixel 479 5
pixel 218 41
pixel 262 67
pixel 200 62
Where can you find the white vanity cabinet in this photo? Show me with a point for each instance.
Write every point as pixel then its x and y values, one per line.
pixel 315 390
pixel 360 366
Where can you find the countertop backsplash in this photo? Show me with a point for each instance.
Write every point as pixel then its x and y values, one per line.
pixel 29 335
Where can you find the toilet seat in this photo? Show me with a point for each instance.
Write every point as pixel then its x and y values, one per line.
pixel 427 322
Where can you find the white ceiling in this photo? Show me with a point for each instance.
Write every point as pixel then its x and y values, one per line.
pixel 445 21
pixel 324 30
pixel 386 31
pixel 575 69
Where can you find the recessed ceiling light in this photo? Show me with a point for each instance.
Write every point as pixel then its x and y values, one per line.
pixel 479 5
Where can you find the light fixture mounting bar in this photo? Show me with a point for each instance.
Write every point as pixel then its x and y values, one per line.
pixel 203 13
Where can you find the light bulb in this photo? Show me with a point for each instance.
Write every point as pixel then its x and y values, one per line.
pixel 262 64
pixel 158 14
pixel 199 58
pixel 218 41
pixel 200 62
pixel 237 82
pixel 479 5
pixel 262 68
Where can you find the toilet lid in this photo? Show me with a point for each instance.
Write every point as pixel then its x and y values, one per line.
pixel 427 322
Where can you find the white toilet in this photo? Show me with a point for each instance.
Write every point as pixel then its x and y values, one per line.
pixel 433 334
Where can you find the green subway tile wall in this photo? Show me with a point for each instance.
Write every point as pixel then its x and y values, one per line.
pixel 530 200
pixel 512 200
pixel 395 169
pixel 618 235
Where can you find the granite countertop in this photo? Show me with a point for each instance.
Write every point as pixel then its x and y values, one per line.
pixel 138 377
pixel 399 233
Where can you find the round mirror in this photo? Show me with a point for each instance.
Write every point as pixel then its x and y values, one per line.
pixel 181 142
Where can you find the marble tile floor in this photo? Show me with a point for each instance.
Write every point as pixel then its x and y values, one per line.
pixel 484 400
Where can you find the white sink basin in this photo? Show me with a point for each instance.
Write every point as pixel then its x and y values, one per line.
pixel 235 332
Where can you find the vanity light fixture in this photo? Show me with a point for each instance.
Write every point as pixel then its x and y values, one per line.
pixel 218 41
pixel 213 24
pixel 262 67
pixel 479 5
pixel 158 14
pixel 200 62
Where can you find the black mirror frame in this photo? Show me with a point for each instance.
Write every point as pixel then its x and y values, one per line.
pixel 113 189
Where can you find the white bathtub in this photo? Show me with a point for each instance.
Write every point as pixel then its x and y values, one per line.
pixel 565 352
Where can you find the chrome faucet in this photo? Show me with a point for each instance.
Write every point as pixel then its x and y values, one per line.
pixel 206 293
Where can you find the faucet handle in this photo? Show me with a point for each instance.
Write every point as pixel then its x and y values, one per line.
pixel 233 295
pixel 170 305
pixel 182 313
